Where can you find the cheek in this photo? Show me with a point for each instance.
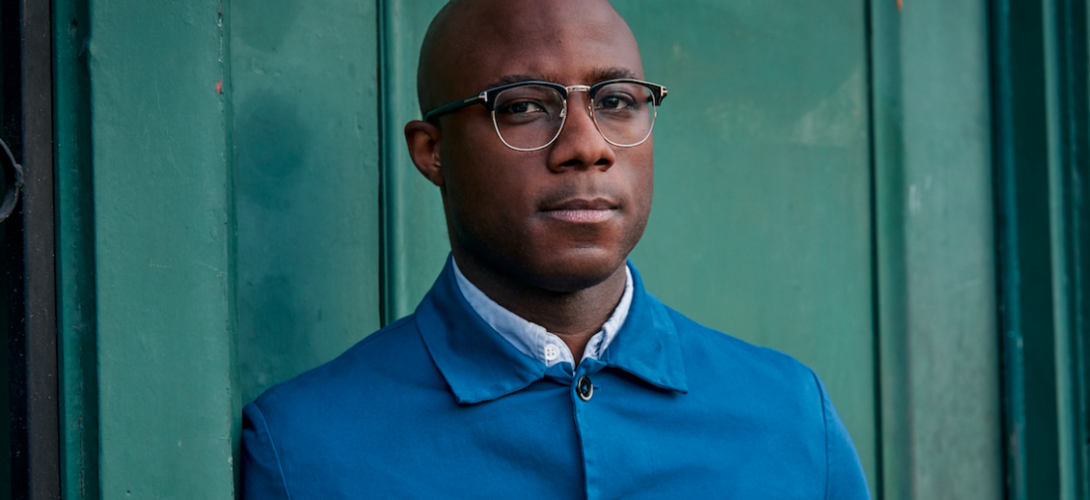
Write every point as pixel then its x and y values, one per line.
pixel 466 166
pixel 642 180
pixel 483 187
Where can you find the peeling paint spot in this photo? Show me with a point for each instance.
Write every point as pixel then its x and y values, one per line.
pixel 216 269
pixel 834 120
pixel 219 86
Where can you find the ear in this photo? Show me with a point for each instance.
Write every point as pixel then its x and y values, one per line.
pixel 423 141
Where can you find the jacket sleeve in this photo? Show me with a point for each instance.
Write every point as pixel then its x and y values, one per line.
pixel 262 473
pixel 844 477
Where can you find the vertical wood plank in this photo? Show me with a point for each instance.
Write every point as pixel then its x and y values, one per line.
pixel 304 94
pixel 164 264
pixel 941 427
pixel 75 259
pixel 1025 249
pixel 1072 186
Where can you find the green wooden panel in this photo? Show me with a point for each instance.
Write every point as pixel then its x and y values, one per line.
pixel 1040 74
pixel 890 214
pixel 761 224
pixel 75 255
pixel 305 133
pixel 164 264
pixel 1070 182
pixel 415 233
pixel 1025 251
pixel 940 385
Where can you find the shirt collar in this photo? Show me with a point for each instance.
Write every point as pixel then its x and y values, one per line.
pixel 481 365
pixel 532 339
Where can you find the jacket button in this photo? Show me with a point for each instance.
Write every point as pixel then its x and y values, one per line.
pixel 584 388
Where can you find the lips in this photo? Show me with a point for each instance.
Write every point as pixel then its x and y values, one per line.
pixel 582 210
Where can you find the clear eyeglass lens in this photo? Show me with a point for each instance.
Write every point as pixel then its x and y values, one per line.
pixel 530 116
pixel 624 112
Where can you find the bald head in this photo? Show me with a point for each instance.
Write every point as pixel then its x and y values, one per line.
pixel 469 38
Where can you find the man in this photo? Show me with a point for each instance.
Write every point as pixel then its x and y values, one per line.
pixel 538 366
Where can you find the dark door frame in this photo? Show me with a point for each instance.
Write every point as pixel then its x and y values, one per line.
pixel 27 128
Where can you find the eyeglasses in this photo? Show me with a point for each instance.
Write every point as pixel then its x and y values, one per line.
pixel 528 116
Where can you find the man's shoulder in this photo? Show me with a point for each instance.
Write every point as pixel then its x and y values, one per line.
pixel 716 357
pixel 394 355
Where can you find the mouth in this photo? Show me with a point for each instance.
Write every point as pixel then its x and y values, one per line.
pixel 582 210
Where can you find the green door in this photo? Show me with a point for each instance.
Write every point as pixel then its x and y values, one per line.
pixel 249 211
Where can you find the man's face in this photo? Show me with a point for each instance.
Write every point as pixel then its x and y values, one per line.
pixel 565 217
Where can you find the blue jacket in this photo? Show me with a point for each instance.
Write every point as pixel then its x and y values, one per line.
pixel 438 405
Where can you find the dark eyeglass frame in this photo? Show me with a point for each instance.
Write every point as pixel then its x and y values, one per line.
pixel 488 99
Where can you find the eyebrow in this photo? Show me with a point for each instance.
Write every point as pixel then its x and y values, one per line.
pixel 509 79
pixel 598 75
pixel 602 75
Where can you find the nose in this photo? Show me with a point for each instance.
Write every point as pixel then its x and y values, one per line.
pixel 580 145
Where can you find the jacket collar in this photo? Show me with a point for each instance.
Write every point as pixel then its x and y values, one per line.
pixel 480 365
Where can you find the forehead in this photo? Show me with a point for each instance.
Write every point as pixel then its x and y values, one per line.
pixel 569 42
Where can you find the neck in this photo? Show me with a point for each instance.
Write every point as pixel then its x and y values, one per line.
pixel 573 316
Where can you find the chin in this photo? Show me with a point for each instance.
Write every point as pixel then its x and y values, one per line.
pixel 559 262
pixel 575 269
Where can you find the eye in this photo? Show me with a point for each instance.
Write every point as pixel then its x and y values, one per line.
pixel 520 108
pixel 622 100
pixel 615 101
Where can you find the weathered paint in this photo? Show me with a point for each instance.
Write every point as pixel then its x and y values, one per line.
pixel 939 357
pixel 305 132
pixel 163 264
pixel 75 253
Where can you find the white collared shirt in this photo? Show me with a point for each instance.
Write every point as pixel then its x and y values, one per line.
pixel 532 339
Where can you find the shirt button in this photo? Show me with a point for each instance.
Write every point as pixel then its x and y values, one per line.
pixel 551 352
pixel 584 388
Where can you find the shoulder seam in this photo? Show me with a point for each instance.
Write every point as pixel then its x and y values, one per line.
pixel 396 325
pixel 272 444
